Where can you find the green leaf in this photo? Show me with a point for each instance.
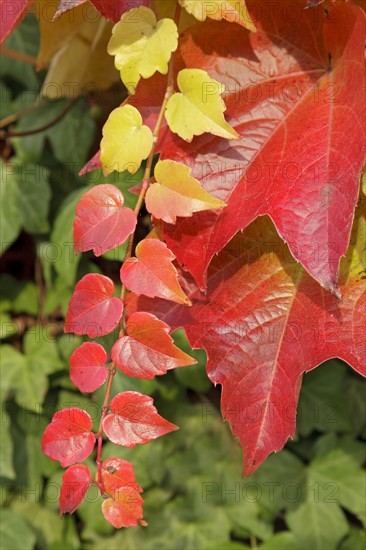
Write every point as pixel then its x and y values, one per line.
pixel 280 541
pixel 355 541
pixel 337 474
pixel 23 39
pixel 25 197
pixel 193 377
pixel 317 525
pixel 6 448
pixel 71 137
pixel 10 212
pixel 323 404
pixel 15 533
pixel 282 481
pixel 12 366
pixel 8 327
pixel 18 296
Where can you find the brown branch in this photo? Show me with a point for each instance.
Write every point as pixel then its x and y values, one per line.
pixel 4 134
pixel 19 56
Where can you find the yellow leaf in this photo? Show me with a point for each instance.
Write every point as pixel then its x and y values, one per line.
pixel 76 48
pixel 234 11
pixel 142 46
pixel 126 141
pixel 163 8
pixel 176 193
pixel 199 107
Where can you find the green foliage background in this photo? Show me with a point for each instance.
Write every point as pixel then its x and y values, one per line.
pixel 311 495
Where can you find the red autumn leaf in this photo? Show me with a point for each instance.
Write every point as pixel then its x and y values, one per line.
pixel 88 371
pixel 125 509
pixel 11 13
pixel 264 322
pixel 92 309
pixel 68 438
pixel 75 484
pixel 152 272
pixel 101 222
pixel 147 350
pixel 290 101
pixel 118 473
pixel 111 9
pixel 133 419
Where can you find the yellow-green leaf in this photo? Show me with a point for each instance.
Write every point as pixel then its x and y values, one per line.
pixel 199 107
pixel 126 141
pixel 234 11
pixel 177 193
pixel 142 46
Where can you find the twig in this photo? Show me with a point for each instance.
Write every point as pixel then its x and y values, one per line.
pixel 19 56
pixel 10 134
pixel 140 201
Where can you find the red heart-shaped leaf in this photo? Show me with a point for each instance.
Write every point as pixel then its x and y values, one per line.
pixel 118 473
pixel 152 272
pixel 101 222
pixel 75 484
pixel 147 350
pixel 68 438
pixel 134 419
pixel 92 309
pixel 125 510
pixel 88 371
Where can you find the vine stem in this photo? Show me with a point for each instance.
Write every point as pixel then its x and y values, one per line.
pixel 9 134
pixel 140 201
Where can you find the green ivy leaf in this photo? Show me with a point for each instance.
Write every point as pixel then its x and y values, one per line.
pixel 15 532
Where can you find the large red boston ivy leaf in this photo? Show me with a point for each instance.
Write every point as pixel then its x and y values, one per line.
pixel 111 9
pixel 147 350
pixel 296 94
pixel 75 484
pixel 88 371
pixel 11 13
pixel 69 438
pixel 152 272
pixel 92 309
pixel 264 322
pixel 101 222
pixel 134 419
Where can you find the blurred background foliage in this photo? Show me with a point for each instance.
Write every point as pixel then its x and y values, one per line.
pixel 308 496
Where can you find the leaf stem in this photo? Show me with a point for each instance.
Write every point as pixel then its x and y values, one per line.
pixel 145 185
pixel 9 134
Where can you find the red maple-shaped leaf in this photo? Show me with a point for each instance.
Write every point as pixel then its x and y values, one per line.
pixel 101 222
pixel 152 272
pixel 68 438
pixel 75 484
pixel 287 95
pixel 111 9
pixel 11 13
pixel 134 419
pixel 92 309
pixel 264 322
pixel 147 350
pixel 88 371
pixel 125 509
pixel 118 473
